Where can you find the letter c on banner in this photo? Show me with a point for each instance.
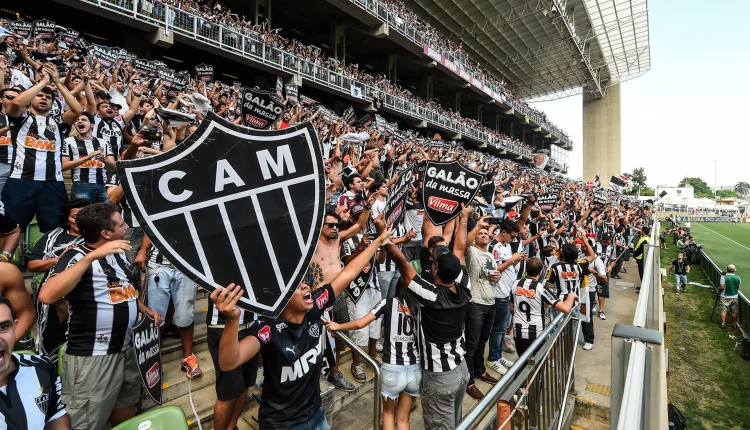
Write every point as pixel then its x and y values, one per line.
pixel 164 187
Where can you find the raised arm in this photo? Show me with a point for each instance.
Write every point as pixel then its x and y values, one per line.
pixel 461 242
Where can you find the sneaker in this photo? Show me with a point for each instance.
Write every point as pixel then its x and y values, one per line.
pixel 617 276
pixel 602 316
pixel 506 363
pixel 190 367
pixel 593 310
pixel 497 367
pixel 678 292
pixel 358 373
pixel 508 345
pixel 339 382
pixel 379 346
pixel 588 346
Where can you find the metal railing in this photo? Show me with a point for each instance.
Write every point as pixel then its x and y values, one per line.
pixel 534 391
pixel 247 44
pixel 714 274
pixel 639 378
pixel 376 407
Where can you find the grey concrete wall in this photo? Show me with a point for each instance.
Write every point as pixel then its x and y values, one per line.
pixel 601 136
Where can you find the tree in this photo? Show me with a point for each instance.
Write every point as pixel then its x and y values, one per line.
pixel 646 191
pixel 700 187
pixel 639 181
pixel 742 189
pixel 726 194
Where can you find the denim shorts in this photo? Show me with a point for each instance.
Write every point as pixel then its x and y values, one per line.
pixel 397 379
pixel 172 283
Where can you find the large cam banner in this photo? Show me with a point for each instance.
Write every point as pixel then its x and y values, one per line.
pixel 234 205
pixel 445 187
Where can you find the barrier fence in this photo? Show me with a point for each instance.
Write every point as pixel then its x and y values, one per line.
pixel 639 358
pixel 714 273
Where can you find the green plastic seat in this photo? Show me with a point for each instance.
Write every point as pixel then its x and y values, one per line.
pixel 33 234
pixel 16 258
pixel 60 355
pixel 163 418
pixel 417 265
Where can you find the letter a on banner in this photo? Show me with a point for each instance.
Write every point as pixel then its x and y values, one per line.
pixel 232 204
pixel 445 187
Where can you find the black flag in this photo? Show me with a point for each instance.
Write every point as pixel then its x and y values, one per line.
pixel 349 116
pixel 204 72
pixel 144 67
pixel 445 187
pixel 292 93
pixel 106 57
pixel 547 202
pixel 44 29
pixel 234 205
pixel 394 204
pixel 146 347
pixel 600 199
pixel 260 109
pixel 22 28
pixel 359 284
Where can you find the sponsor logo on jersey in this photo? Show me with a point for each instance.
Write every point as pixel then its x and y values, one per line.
pixel 265 334
pixel 40 145
pixel 303 364
pixel 322 299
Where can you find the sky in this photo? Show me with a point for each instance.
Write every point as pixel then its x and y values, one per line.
pixel 692 107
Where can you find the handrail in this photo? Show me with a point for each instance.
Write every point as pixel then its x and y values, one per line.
pixel 569 380
pixel 488 402
pixel 244 45
pixel 641 310
pixel 374 364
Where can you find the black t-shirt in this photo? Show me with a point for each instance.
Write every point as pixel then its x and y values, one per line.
pixel 292 360
pixel 679 267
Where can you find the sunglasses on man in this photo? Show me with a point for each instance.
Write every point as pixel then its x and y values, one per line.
pixel 331 224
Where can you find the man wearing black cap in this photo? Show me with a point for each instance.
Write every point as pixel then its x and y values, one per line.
pixel 443 305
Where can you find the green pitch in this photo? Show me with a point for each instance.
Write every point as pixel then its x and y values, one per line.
pixel 725 244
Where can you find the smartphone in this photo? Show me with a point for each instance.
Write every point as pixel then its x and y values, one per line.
pixel 495 221
pixel 151 135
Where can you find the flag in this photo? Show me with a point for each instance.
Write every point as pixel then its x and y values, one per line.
pixel 597 183
pixel 174 118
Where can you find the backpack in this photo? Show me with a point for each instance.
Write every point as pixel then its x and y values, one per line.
pixel 675 418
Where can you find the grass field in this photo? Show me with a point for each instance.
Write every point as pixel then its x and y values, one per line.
pixel 708 380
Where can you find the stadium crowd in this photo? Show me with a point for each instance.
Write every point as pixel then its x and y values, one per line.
pixel 62 111
pixel 212 16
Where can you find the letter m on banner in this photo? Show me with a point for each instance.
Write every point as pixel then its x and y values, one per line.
pixel 234 205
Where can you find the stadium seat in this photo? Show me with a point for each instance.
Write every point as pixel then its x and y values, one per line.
pixel 163 418
pixel 33 234
pixel 16 258
pixel 60 355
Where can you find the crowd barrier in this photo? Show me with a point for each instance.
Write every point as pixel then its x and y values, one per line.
pixel 714 273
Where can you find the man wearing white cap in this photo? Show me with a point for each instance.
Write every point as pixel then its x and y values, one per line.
pixel 729 286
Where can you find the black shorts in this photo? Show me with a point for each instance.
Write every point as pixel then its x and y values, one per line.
pixel 230 385
pixel 522 344
pixel 603 290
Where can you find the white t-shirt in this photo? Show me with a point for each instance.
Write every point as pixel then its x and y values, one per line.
pixel 502 253
pixel 377 208
pixel 598 265
pixel 119 99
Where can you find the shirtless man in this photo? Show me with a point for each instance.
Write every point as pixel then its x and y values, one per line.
pixel 12 287
pixel 325 266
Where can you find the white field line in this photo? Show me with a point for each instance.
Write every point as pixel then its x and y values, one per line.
pixel 712 231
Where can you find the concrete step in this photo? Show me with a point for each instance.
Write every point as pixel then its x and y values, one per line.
pixel 581 423
pixel 590 410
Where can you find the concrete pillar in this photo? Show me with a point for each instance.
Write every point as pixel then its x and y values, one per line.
pixel 262 13
pixel 601 135
pixel 457 106
pixel 497 122
pixel 479 112
pixel 338 41
pixel 392 66
pixel 523 136
pixel 510 131
pixel 429 83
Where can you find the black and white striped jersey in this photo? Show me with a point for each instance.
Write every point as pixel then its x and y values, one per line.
pixel 214 317
pixel 54 243
pixel 441 327
pixel 37 145
pixel 565 278
pixel 92 171
pixel 33 395
pixel 400 323
pixel 103 306
pixel 6 142
pixel 156 257
pixel 110 131
pixel 389 265
pixel 529 296
pixel 125 211
pixel 606 254
pixel 349 247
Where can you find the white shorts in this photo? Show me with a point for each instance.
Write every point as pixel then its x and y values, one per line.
pixel 370 297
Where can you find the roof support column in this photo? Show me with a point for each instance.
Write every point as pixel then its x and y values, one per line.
pixel 601 135
pixel 262 12
pixel 337 37
pixel 479 112
pixel 457 105
pixel 429 83
pixel 392 63
pixel 497 122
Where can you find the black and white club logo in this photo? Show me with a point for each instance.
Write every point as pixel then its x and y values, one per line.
pixel 314 330
pixel 234 205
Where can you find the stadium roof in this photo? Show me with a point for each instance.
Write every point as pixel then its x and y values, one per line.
pixel 548 49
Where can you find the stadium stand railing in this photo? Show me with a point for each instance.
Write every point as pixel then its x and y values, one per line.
pixel 215 35
pixel 639 356
pixel 534 392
